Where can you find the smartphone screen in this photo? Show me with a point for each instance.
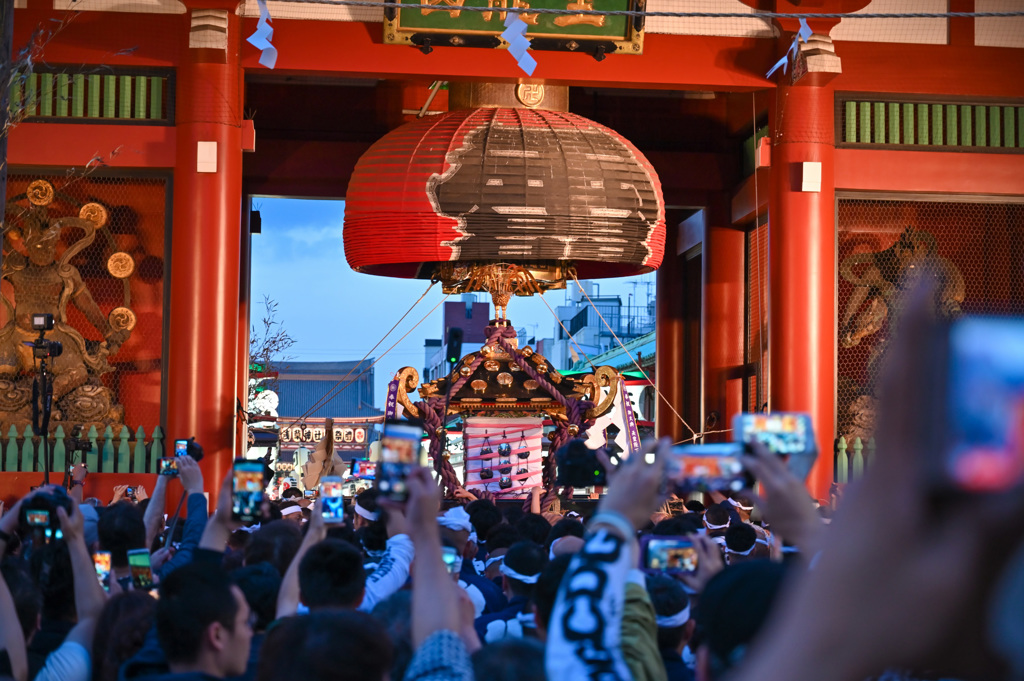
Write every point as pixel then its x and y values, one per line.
pixel 37 518
pixel 332 504
pixel 364 469
pixel 181 448
pixel 400 452
pixel 787 434
pixel 985 404
pixel 169 466
pixel 450 556
pixel 101 560
pixel 707 468
pixel 142 573
pixel 246 490
pixel 668 554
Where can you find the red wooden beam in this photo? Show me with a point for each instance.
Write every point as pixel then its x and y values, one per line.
pixel 936 172
pixel 75 144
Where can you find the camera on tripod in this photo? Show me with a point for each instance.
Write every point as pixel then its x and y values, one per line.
pixel 41 347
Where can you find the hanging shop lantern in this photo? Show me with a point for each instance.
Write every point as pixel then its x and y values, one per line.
pixel 543 193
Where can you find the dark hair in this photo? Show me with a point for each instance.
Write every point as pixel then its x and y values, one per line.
pixel 121 529
pixel 514 513
pixel 526 558
pixel 669 598
pixel 395 613
pixel 343 532
pixel 534 528
pixel 566 527
pixel 677 526
pixel 694 506
pixel 311 646
pixel 276 543
pixel 50 567
pixel 28 602
pixel 501 536
pixel 191 599
pixel 716 515
pixel 740 537
pixel 331 575
pixel 120 632
pixel 511 659
pixel 260 584
pixel 545 591
pixel 292 493
pixel 484 515
pixel 743 499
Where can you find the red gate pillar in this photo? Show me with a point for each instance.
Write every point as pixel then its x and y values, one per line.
pixel 802 257
pixel 202 360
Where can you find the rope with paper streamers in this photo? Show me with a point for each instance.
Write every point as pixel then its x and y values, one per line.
pixel 804 34
pixel 518 43
pixel 260 39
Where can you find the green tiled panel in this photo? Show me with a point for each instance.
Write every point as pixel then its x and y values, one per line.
pixel 109 96
pixel 908 123
pixel 951 126
pixel 850 131
pixel 966 127
pixel 140 96
pixel 46 94
pixel 31 95
pixel 937 121
pixel 78 96
pixel 864 121
pixel 63 94
pixel 922 124
pixel 156 92
pixel 878 128
pixel 94 96
pixel 980 125
pixel 894 123
pixel 995 129
pixel 1020 126
pixel 14 96
pixel 1009 126
pixel 125 108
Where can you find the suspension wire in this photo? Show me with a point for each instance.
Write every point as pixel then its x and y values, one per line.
pixel 328 396
pixel 569 335
pixel 694 435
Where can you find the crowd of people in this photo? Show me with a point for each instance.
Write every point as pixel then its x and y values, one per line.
pixel 894 584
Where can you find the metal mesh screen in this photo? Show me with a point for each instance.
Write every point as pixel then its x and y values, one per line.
pixel 756 393
pixel 972 249
pixel 89 248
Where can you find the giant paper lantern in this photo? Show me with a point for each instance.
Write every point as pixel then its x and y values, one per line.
pixel 542 190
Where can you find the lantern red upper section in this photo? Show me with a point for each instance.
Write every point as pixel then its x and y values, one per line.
pixel 504 185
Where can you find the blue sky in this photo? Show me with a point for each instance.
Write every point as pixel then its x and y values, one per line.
pixel 335 314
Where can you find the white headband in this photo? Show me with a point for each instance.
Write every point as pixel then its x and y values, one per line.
pixel 739 505
pixel 676 620
pixel 551 551
pixel 473 538
pixel 715 527
pixel 371 516
pixel 512 574
pixel 456 519
pixel 492 561
pixel 740 553
pixel 291 510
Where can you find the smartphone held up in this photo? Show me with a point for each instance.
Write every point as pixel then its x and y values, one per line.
pixel 401 451
pixel 246 490
pixel 332 503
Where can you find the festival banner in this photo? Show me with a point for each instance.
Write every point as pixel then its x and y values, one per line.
pixel 391 406
pixel 627 408
pixel 503 456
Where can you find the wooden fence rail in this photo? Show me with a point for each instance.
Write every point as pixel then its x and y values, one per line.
pixel 108 452
pixel 852 459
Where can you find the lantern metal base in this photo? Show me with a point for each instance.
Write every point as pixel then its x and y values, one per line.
pixel 501 280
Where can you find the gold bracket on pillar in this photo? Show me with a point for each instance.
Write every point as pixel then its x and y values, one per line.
pixel 209 33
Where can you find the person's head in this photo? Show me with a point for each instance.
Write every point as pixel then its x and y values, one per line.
pixel 121 529
pixel 511 659
pixel 260 584
pixel 395 613
pixel 484 515
pixel 331 645
pixel 120 632
pixel 291 512
pixel 744 505
pixel 694 506
pixel 276 543
pixel 202 622
pixel 740 540
pixel 535 528
pixel 566 527
pixel 672 608
pixel 677 526
pixel 366 509
pixel 521 569
pixel 331 575
pixel 292 493
pixel 50 567
pixel 716 519
pixel 733 606
pixel 501 536
pixel 28 601
pixel 546 591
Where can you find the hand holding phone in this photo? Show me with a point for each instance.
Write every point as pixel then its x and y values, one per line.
pixel 786 434
pixel 670 555
pixel 142 572
pixel 246 489
pixel 451 559
pixel 169 466
pixel 707 468
pixel 332 504
pixel 401 451
pixel 101 561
